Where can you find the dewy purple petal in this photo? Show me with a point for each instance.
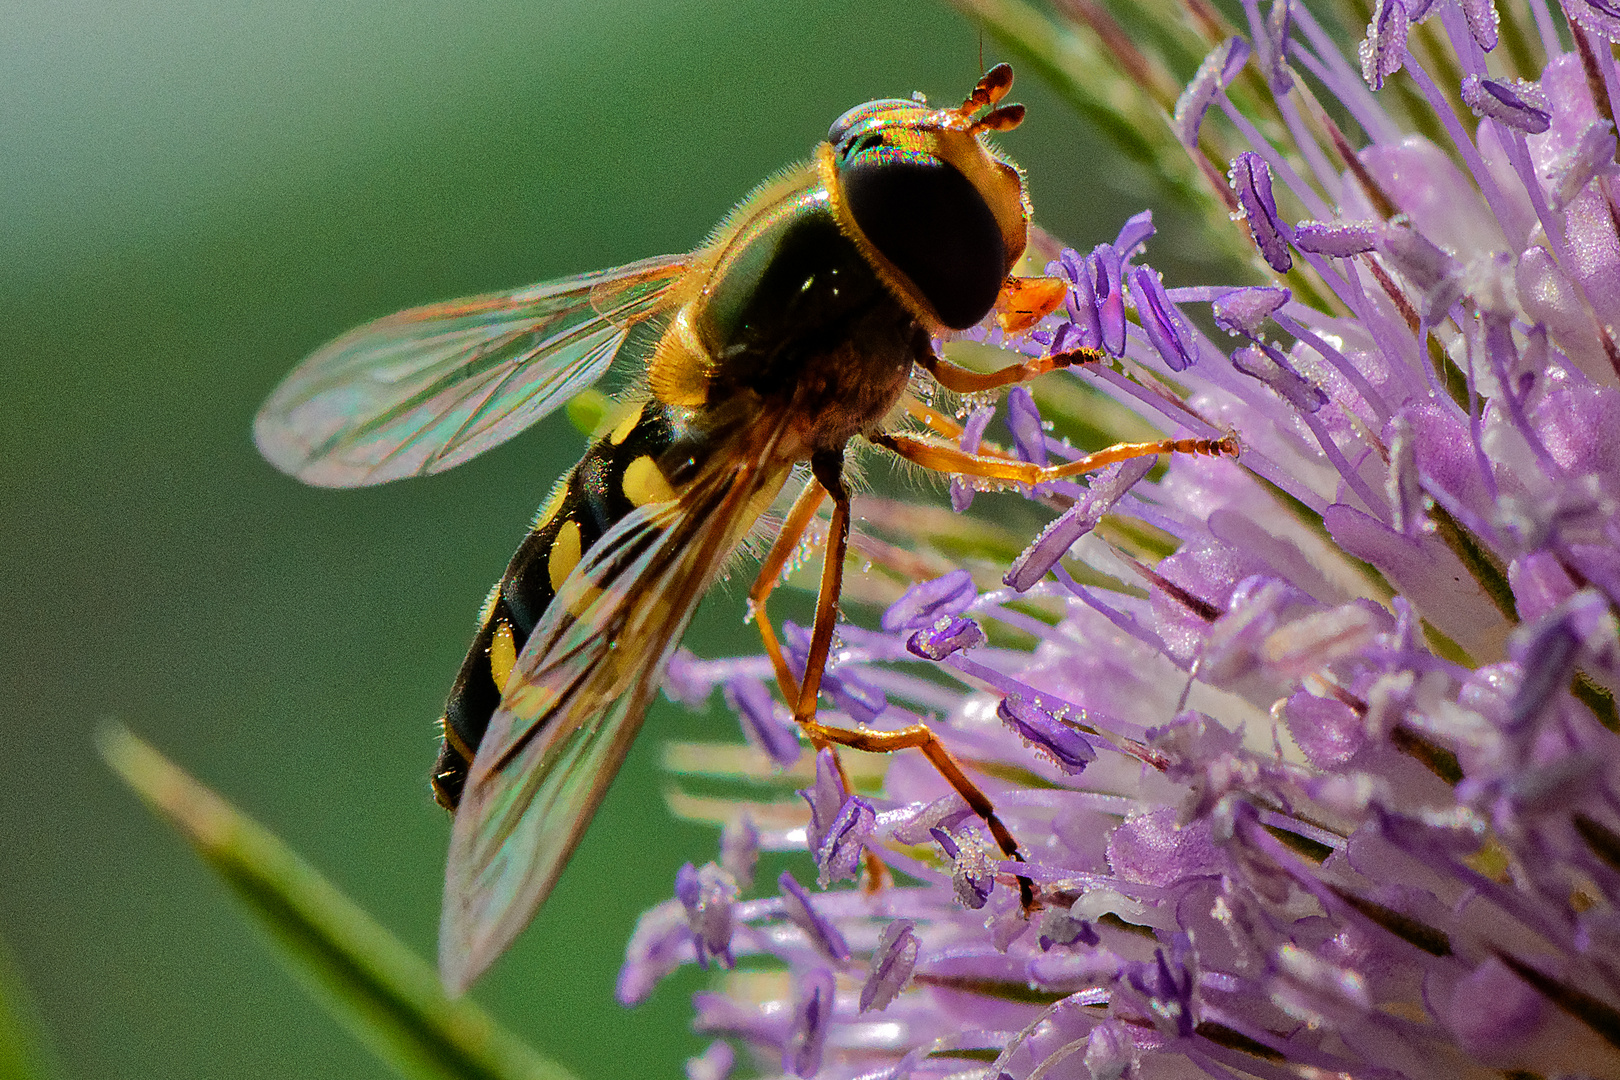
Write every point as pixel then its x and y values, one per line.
pixel 952 634
pixel 839 857
pixel 1046 734
pixel 812 1018
pixel 923 604
pixel 708 896
pixel 1482 20
pixel 1436 274
pixel 1218 69
pixel 893 961
pixel 1487 97
pixel 1384 50
pixel 1265 363
pixel 826 799
pixel 1104 272
pixel 1601 17
pixel 761 724
pixel 1024 420
pixel 1336 239
pixel 1054 541
pixel 972 434
pixel 1165 327
pixel 849 692
pixel 660 943
pixel 1251 181
pixel 802 912
pixel 1137 230
pixel 1270 39
pixel 1404 487
pixel 715 1063
pixel 1592 155
pixel 1548 651
pixel 1242 311
pixel 1059 928
pixel 739 849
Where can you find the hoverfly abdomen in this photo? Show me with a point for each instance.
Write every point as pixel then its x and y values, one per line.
pixel 620 471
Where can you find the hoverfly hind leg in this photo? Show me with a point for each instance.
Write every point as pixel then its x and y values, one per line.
pixel 828 468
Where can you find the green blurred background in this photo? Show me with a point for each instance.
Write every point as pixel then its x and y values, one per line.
pixel 192 197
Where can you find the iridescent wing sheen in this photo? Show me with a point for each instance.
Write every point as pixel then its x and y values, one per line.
pixel 423 390
pixel 576 700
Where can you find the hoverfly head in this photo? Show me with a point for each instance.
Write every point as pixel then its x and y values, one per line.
pixel 938 207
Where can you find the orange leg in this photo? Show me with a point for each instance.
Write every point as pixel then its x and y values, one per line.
pixel 949 459
pixel 828 468
pixel 962 381
pixel 770 572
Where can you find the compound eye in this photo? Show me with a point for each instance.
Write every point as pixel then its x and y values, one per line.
pixel 860 114
pixel 932 224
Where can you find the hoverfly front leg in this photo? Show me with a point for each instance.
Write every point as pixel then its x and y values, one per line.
pixel 949 459
pixel 962 381
pixel 828 469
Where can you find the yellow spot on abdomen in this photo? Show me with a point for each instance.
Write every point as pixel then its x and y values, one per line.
pixel 502 654
pixel 644 483
pixel 625 427
pixel 553 502
pixel 564 554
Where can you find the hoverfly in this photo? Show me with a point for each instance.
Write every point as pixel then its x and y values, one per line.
pixel 793 330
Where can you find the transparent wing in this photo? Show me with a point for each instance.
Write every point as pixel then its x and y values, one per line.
pixel 424 390
pixel 574 703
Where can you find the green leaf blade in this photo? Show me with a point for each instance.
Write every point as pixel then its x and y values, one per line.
pixel 389 997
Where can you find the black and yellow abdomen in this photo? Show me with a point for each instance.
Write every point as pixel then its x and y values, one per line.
pixel 642 460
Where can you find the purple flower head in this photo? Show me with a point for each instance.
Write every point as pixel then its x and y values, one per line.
pixel 764 726
pixel 1309 758
pixel 924 604
pixel 1165 326
pixel 801 912
pixel 812 1018
pixel 708 896
pixel 1046 734
pixel 1251 180
pixel 893 961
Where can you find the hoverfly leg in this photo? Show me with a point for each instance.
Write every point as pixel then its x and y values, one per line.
pixel 921 737
pixel 962 381
pixel 770 573
pixel 828 469
pixel 950 459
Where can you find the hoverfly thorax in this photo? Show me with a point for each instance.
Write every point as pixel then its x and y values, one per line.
pixel 941 216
